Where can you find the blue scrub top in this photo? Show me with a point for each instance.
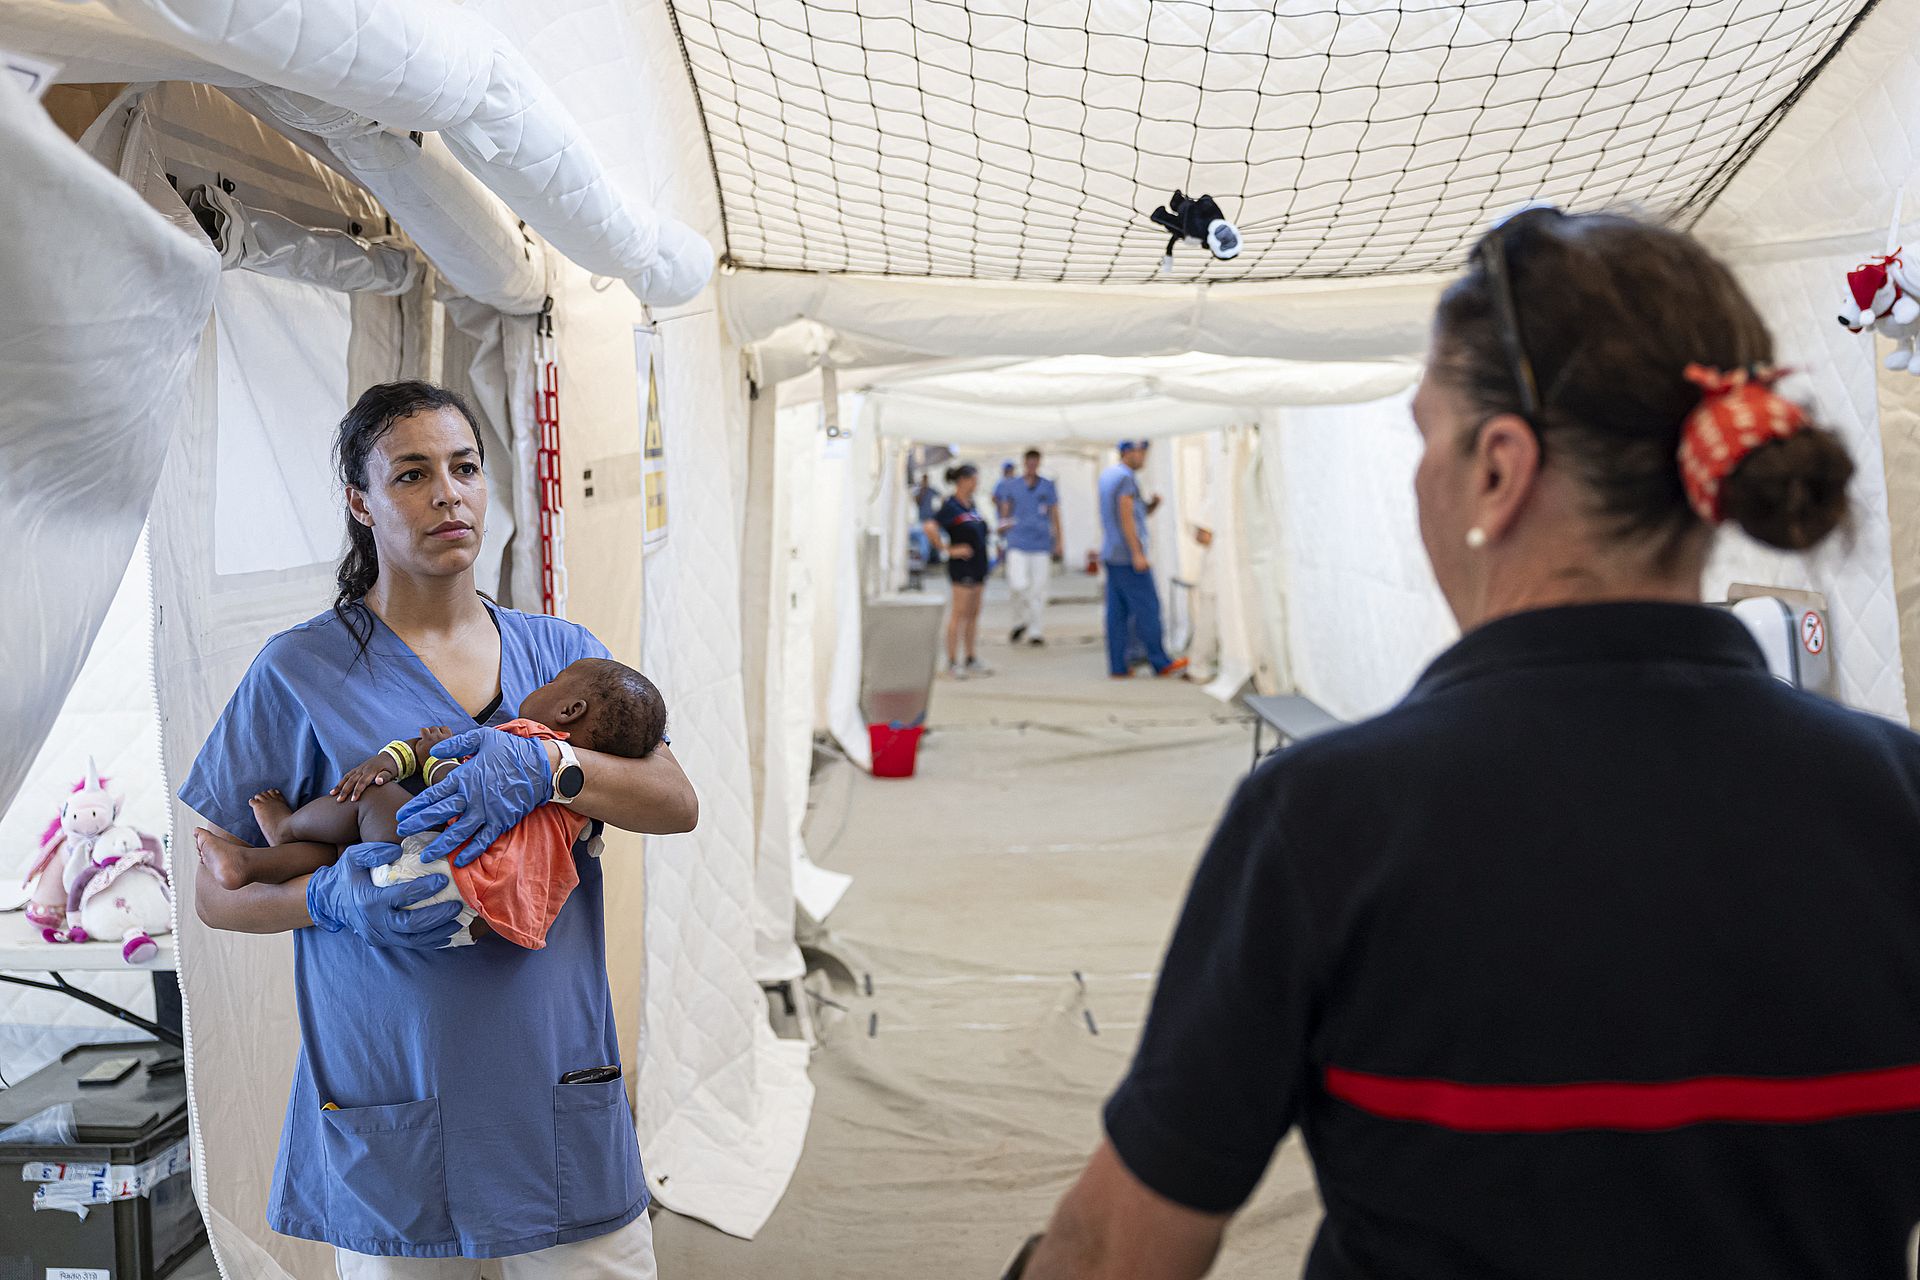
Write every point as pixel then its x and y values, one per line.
pixel 453 1137
pixel 1116 481
pixel 1032 528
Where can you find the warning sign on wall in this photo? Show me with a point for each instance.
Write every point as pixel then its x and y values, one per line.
pixel 647 355
pixel 1813 632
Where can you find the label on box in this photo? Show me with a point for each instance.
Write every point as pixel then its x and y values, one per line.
pixel 79 1273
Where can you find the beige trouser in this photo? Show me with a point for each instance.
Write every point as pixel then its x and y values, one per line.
pixel 626 1254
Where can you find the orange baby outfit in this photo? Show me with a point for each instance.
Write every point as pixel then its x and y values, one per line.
pixel 520 883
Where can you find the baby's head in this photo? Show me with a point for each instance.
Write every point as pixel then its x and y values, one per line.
pixel 601 705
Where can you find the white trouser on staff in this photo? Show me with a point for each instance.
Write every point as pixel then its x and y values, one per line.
pixel 626 1254
pixel 1027 574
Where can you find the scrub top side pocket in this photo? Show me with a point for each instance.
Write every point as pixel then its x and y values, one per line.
pixel 596 1152
pixel 387 1176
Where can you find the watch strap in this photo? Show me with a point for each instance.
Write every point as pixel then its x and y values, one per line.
pixel 569 761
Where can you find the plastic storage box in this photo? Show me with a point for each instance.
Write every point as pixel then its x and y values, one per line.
pixel 136 1120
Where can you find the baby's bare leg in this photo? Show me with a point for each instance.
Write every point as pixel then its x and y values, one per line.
pixel 235 865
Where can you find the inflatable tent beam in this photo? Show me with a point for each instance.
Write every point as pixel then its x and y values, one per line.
pixel 1350 320
pixel 430 66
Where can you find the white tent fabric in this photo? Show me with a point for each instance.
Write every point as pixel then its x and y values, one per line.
pixel 723 1104
pixel 1352 320
pixel 1104 399
pixel 1193 377
pixel 430 66
pixel 105 304
pixel 282 352
pixel 272 244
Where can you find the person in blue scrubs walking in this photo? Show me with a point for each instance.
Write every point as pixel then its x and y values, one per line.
pixel 1029 509
pixel 439 1113
pixel 1132 603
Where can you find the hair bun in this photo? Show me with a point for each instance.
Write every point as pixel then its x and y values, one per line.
pixel 1790 493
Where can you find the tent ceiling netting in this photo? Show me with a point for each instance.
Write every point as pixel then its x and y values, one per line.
pixel 942 138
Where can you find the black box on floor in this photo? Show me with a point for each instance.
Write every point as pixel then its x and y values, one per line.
pixel 127 1121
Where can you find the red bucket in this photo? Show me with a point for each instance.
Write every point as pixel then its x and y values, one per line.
pixel 894 749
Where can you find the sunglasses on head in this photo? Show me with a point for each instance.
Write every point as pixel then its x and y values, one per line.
pixel 1490 255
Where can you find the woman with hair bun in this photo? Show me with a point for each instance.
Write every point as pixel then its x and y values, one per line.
pixel 1598 955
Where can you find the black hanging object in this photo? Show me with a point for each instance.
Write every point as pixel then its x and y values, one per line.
pixel 1197 218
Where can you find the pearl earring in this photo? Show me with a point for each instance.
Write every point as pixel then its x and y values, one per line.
pixel 1476 538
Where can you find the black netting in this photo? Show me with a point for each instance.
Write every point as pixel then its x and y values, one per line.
pixel 1031 140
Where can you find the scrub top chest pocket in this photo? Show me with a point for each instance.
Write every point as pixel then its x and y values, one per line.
pixel 596 1151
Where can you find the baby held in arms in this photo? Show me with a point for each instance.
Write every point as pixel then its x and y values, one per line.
pixel 517 887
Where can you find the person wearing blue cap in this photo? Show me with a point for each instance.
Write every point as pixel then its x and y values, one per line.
pixel 1132 602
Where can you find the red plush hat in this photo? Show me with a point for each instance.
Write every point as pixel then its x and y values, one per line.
pixel 1864 282
pixel 1738 412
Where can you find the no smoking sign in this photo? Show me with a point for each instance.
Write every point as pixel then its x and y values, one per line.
pixel 1813 632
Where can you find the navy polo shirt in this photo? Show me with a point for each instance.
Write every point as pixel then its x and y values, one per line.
pixel 1598 956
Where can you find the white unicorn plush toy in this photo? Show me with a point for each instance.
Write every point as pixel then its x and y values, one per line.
pixel 98 881
pixel 85 816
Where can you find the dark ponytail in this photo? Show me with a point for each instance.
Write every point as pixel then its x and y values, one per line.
pixel 365 425
pixel 959 473
pixel 1611 310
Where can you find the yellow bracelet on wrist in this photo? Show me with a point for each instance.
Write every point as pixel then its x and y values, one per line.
pixel 401 753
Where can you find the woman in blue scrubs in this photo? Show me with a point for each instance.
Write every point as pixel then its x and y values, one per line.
pixel 429 1123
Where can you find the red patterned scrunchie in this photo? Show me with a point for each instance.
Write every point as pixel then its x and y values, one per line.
pixel 1738 412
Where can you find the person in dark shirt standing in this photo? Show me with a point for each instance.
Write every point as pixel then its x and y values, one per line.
pixel 967 564
pixel 1599 955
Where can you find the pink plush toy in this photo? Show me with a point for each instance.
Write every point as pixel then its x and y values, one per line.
pixel 97 881
pixel 66 847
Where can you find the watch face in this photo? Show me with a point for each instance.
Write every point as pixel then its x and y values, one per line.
pixel 571 779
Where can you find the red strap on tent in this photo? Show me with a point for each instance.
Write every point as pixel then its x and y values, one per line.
pixel 546 414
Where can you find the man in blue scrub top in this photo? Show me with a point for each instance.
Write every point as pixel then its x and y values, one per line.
pixel 438 1108
pixel 1030 516
pixel 1132 602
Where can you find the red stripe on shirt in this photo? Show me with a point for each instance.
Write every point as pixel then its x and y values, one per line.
pixel 1635 1105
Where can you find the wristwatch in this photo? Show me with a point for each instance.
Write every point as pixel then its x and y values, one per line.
pixel 569 778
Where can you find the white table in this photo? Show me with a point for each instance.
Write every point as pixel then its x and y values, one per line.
pixel 23 951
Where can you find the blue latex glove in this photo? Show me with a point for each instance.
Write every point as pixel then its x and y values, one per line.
pixel 344 896
pixel 507 778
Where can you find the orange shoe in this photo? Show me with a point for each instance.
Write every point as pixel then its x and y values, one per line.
pixel 1173 668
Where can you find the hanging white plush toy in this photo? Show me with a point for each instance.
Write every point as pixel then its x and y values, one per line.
pixel 1886 299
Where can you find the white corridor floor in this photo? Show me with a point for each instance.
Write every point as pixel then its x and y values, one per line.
pixel 1010 905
